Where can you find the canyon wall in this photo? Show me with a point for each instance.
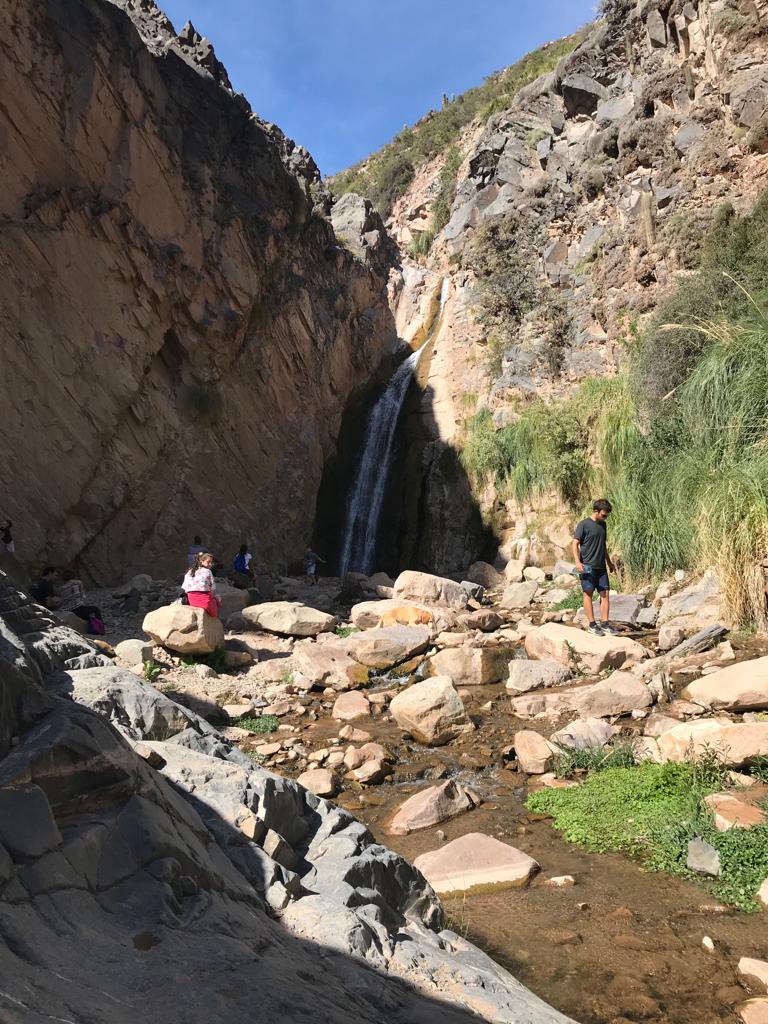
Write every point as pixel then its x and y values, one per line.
pixel 181 329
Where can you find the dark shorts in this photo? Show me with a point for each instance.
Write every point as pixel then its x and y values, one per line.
pixel 594 579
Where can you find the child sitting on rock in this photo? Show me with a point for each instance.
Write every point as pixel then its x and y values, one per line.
pixel 200 586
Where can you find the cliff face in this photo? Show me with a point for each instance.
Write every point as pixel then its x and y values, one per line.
pixel 601 177
pixel 180 328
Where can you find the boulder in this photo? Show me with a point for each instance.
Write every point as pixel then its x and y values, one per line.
pixel 380 579
pixel 740 687
pixel 470 666
pixel 584 732
pixel 688 134
pixel 533 574
pixel 754 1011
pixel 656 29
pixel 371 772
pixel 431 711
pixel 476 862
pixel 319 781
pixel 624 608
pixel 351 705
pixel 431 806
pixel 737 743
pixel 533 752
pixel 232 600
pixel 526 675
pixel 742 811
pixel 485 619
pixel 513 570
pixel 328 664
pixel 697 605
pixel 581 94
pixel 518 595
pixel 383 648
pixel 670 636
pixel 288 618
pixel 485 575
pixel 422 586
pixel 703 858
pixel 133 652
pixel 756 971
pixel 620 694
pixel 474 591
pixel 184 630
pixel 617 109
pixel 595 653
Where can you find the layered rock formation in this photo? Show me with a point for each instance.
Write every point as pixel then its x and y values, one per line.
pixel 181 329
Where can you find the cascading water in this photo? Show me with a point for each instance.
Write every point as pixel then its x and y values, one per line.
pixel 367 495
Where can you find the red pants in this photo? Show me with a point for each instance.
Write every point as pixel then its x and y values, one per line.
pixel 204 600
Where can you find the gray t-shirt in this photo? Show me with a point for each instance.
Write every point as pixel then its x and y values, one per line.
pixel 592 537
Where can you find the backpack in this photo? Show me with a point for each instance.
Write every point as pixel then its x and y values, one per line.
pixel 96 626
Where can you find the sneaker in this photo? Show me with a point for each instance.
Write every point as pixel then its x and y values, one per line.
pixel 608 628
pixel 595 628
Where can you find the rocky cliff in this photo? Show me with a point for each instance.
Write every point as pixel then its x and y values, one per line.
pixel 181 329
pixel 589 196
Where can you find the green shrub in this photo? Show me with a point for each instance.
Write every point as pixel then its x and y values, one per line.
pixel 345 631
pixel 575 760
pixel 570 603
pixel 152 670
pixel 262 724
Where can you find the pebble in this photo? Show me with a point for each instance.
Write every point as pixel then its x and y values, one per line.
pixel 708 944
pixel 560 881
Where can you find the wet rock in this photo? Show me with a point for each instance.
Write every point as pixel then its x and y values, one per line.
pixel 525 675
pixel 133 652
pixel 737 743
pixel 431 711
pixel 184 630
pixel 350 706
pixel 741 687
pixel 595 653
pixel 383 648
pixel 475 862
pixel 431 806
pixel 584 732
pixel 422 586
pixel 319 781
pixel 288 618
pixel 703 858
pixel 730 811
pixel 518 595
pixel 470 666
pixel 534 753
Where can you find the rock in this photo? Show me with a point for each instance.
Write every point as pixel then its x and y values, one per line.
pixel 232 600
pixel 513 570
pixel 237 659
pixel 431 711
pixel 348 732
pixel 470 666
pixel 184 630
pixel 431 806
pixel 518 595
pixel 133 652
pixel 581 94
pixel 485 575
pixel 534 753
pixel 371 772
pixel 351 705
pixel 533 574
pixel 526 675
pixel 474 591
pixel 206 672
pixel 384 648
pixel 698 604
pixel 475 862
pixel 670 636
pixel 328 664
pixel 647 616
pixel 754 1011
pixel 703 858
pixel 656 29
pixel 737 743
pixel 371 614
pixel 562 643
pixel 486 620
pixel 288 618
pixel 730 811
pixel 319 781
pixel 762 893
pixel 687 135
pixel 380 579
pixel 624 608
pixel 618 109
pixel 620 694
pixel 584 732
pixel 740 687
pixel 422 586
pixel 560 882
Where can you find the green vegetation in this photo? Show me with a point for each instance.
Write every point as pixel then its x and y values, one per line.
pixel 152 670
pixel 263 724
pixel 345 631
pixel 286 676
pixel 651 811
pixel 384 176
pixel 577 760
pixel 570 603
pixel 217 660
pixel 678 440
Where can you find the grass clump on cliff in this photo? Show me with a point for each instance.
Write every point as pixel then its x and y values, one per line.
pixel 651 811
pixel 385 175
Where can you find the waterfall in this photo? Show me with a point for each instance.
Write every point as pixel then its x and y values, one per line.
pixel 367 494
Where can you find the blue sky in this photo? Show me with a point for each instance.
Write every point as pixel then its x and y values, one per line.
pixel 341 77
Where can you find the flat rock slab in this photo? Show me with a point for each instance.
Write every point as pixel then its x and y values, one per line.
pixel 566 644
pixel 620 694
pixel 741 687
pixel 526 675
pixel 476 863
pixel 742 811
pixel 431 806
pixel 384 648
pixel 288 618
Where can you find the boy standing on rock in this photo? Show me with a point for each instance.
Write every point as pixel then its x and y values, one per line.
pixel 590 553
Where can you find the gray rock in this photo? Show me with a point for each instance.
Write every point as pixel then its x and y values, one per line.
pixel 525 675
pixel 647 616
pixel 359 227
pixel 473 589
pixel 518 595
pixel 617 109
pixel 687 135
pixel 703 858
pixel 133 652
pixel 656 29
pixel 581 94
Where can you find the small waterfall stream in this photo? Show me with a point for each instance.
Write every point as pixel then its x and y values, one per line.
pixel 366 496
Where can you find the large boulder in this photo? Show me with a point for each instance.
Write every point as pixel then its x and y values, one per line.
pixel 594 653
pixel 233 599
pixel 327 664
pixel 431 711
pixel 470 666
pixel 737 743
pixel 519 595
pixel 476 862
pixel 288 618
pixel 431 806
pixel 184 630
pixel 581 94
pixel 526 675
pixel 620 694
pixel 741 687
pixel 424 587
pixel 383 648
pixel 695 606
pixel 485 575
